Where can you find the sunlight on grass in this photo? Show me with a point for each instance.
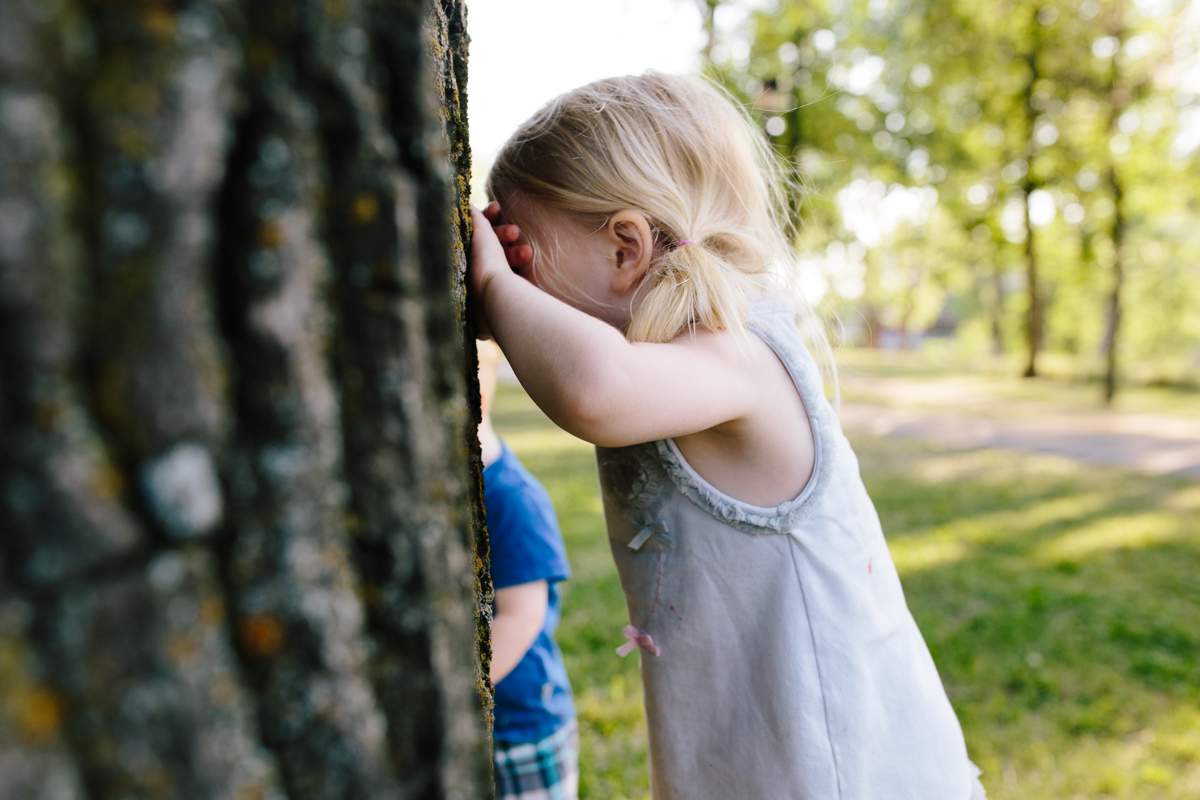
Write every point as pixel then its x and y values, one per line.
pixel 1060 603
pixel 1039 517
pixel 613 734
pixel 1186 499
pixel 1157 761
pixel 1110 533
pixel 948 543
pixel 926 551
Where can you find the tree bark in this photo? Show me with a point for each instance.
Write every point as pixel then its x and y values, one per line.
pixel 244 552
pixel 1119 93
pixel 1034 318
pixel 708 13
pixel 997 309
pixel 1113 326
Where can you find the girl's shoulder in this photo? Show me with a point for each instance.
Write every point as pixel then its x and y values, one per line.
pixel 766 457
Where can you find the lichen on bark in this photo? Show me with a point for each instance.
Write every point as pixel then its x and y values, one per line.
pixel 237 403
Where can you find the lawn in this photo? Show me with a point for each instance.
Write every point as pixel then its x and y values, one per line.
pixel 1061 604
pixel 937 377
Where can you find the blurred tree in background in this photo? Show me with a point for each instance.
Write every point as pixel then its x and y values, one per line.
pixel 1024 173
pixel 238 555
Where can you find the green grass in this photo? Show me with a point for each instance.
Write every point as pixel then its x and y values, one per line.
pixel 992 386
pixel 1061 603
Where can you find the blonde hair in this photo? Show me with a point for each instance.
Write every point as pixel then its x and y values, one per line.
pixel 685 155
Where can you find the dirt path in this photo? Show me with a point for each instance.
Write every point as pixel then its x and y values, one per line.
pixel 1154 444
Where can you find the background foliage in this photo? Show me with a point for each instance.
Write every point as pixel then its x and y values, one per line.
pixel 1022 173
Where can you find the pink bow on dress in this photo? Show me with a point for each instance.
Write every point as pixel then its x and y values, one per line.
pixel 637 638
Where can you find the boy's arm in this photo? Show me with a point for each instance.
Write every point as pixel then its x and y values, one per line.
pixel 520 612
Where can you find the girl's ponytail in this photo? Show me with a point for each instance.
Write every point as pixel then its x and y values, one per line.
pixel 688 285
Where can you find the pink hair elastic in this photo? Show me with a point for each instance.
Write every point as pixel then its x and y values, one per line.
pixel 682 242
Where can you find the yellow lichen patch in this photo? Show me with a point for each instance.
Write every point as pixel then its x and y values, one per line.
pixel 132 141
pixel 142 98
pixel 438 491
pixel 212 611
pixel 223 693
pixel 436 48
pixel 364 209
pixel 252 792
pixel 156 782
pixel 39 714
pixel 262 55
pixel 182 647
pixel 375 302
pixel 107 482
pixel 270 236
pixel 336 10
pixel 327 711
pixel 47 416
pixel 159 21
pixel 261 635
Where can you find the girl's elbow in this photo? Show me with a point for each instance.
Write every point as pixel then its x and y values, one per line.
pixel 594 412
pixel 603 435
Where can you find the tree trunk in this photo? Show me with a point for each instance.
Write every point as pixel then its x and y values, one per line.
pixel 708 13
pixel 1119 95
pixel 997 310
pixel 1033 322
pixel 1029 185
pixel 1113 326
pixel 238 465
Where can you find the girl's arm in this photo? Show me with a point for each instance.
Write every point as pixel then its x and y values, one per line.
pixel 588 378
pixel 520 612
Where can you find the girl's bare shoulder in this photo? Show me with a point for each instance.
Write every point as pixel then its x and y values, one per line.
pixel 765 455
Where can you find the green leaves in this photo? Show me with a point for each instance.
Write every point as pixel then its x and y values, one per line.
pixel 1062 120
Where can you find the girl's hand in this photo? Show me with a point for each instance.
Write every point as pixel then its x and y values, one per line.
pixel 494 253
pixel 518 253
pixel 485 261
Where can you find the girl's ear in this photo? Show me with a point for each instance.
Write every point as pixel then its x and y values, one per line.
pixel 632 243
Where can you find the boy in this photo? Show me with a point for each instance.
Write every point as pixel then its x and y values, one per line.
pixel 536 737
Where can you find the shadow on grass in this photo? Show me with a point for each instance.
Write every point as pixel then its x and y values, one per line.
pixel 1061 604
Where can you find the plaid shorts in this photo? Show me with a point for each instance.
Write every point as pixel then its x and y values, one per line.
pixel 543 770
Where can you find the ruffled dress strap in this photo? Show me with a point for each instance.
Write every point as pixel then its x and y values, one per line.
pixel 773 321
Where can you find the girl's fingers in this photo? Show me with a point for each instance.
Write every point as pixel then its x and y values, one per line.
pixel 507 233
pixel 518 255
pixel 486 250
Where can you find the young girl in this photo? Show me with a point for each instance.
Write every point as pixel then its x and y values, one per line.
pixel 635 271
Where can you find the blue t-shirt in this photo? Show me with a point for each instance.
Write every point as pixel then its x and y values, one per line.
pixel 534 700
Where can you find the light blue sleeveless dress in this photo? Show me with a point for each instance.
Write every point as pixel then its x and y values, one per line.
pixel 788 666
